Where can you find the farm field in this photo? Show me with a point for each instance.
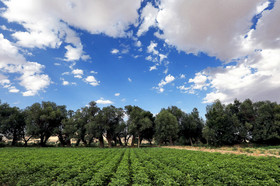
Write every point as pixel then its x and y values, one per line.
pixel 250 151
pixel 132 166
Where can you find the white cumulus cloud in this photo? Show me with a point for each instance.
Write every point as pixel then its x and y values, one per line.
pixel 31 77
pixel 102 101
pixel 115 51
pixel 92 81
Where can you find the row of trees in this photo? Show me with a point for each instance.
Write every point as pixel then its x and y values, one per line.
pixel 242 122
pixel 88 124
pixel 235 123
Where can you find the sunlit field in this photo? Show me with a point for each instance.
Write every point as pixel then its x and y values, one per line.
pixel 133 166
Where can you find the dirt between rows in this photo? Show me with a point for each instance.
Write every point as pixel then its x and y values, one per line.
pixel 222 151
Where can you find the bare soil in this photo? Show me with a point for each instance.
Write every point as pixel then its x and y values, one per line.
pixel 229 150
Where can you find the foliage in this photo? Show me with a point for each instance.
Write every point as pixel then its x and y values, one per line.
pixel 166 127
pixel 140 123
pixel 43 119
pixel 124 166
pixel 12 123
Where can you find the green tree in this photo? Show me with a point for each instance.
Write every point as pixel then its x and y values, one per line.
pixel 166 127
pixel 109 119
pixel 266 128
pixel 67 129
pixel 12 122
pixel 85 122
pixel 140 123
pixel 191 126
pixel 246 117
pixel 43 119
pixel 221 126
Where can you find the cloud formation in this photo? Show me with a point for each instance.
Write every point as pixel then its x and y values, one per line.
pixel 12 62
pixel 92 81
pixel 226 31
pixel 47 22
pixel 102 101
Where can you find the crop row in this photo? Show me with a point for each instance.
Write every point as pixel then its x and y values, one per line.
pixel 147 166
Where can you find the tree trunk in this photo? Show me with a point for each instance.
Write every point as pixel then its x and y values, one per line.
pixel 125 141
pixel 60 138
pixel 14 138
pixel 150 141
pixel 45 140
pixel 26 141
pixel 132 141
pixel 138 141
pixel 68 142
pixel 116 141
pixel 101 142
pixel 41 140
pixel 120 141
pixel 191 141
pixel 109 140
pixel 78 142
pixel 109 143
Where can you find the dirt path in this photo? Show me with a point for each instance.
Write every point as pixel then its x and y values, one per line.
pixel 222 151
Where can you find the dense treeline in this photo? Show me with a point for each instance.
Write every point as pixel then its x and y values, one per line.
pixel 241 122
pixel 235 123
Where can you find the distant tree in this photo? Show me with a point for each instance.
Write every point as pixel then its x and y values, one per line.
pixel 85 122
pixel 246 117
pixel 166 127
pixel 221 126
pixel 125 133
pixel 191 126
pixel 43 119
pixel 109 119
pixel 266 128
pixel 177 112
pixel 67 129
pixel 12 123
pixel 140 123
pixel 180 116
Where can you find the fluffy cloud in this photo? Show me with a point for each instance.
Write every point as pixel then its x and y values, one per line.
pixel 115 51
pixel 153 68
pixel 78 73
pixel 182 76
pixel 102 101
pixel 148 17
pixel 224 30
pixel 11 61
pixel 92 81
pixel 75 53
pixel 65 82
pixel 103 19
pixel 256 78
pixel 151 48
pixel 168 79
pixel 5 83
pixel 47 22
pixel 218 29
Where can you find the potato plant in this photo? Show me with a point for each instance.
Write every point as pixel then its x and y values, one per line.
pixel 133 166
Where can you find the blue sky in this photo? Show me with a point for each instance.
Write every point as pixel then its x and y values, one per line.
pixel 153 54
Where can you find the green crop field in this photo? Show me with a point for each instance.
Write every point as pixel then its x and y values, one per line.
pixel 127 166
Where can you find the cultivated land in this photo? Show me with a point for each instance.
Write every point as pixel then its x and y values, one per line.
pixel 237 149
pixel 131 166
